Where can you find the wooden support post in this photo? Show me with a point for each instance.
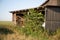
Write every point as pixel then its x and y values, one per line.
pixel 14 18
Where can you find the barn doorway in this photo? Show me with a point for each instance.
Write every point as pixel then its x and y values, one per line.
pixel 20 19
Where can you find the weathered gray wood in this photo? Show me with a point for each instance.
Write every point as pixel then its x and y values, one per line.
pixel 52 18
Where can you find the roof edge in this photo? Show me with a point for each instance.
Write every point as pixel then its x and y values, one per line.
pixel 45 2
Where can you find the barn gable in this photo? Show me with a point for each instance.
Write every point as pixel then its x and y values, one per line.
pixel 51 2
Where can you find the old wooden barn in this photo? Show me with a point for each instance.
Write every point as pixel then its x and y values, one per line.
pixel 51 9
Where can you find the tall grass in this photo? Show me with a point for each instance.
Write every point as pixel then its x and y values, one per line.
pixel 29 33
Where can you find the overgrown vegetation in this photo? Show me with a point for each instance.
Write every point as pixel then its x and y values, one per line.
pixel 33 24
pixel 27 33
pixel 33 29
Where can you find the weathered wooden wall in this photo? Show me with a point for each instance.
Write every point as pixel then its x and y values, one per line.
pixel 52 16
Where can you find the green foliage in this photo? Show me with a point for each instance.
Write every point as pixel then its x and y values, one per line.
pixel 33 23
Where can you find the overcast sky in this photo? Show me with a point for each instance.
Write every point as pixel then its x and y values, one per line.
pixel 11 5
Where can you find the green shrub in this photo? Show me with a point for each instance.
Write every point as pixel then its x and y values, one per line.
pixel 33 24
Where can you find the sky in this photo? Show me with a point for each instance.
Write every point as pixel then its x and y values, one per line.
pixel 11 5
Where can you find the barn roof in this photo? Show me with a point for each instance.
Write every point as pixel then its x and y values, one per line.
pixel 46 3
pixel 24 10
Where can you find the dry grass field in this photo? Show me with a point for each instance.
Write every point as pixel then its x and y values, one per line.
pixel 8 31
